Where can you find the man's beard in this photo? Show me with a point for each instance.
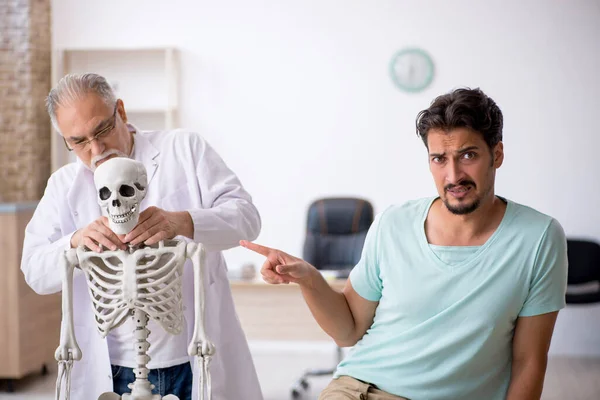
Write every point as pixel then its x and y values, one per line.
pixel 461 208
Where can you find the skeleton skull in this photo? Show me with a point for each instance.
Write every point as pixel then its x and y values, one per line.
pixel 121 187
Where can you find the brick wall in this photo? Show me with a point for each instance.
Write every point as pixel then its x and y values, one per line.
pixel 25 68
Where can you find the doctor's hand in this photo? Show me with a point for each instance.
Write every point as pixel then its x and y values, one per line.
pixel 156 224
pixel 281 267
pixel 95 234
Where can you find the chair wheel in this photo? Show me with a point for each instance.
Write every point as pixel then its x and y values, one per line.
pixel 304 384
pixel 295 394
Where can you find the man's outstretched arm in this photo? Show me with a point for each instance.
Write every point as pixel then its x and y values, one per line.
pixel 344 316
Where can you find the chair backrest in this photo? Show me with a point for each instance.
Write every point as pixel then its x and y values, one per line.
pixel 335 232
pixel 584 267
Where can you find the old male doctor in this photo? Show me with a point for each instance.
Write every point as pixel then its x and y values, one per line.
pixel 191 193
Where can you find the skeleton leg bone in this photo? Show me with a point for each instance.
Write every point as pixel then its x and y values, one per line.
pixel 200 346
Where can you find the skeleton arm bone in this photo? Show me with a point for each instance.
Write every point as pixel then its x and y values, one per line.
pixel 68 348
pixel 200 345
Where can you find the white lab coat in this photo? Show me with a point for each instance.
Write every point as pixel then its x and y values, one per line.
pixel 184 173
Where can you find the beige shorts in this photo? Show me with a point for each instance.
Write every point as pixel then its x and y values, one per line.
pixel 348 388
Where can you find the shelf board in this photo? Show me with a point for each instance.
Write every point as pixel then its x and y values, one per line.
pixel 115 49
pixel 134 110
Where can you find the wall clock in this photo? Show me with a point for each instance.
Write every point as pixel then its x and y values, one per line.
pixel 412 69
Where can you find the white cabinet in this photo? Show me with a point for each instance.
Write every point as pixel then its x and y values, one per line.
pixel 146 79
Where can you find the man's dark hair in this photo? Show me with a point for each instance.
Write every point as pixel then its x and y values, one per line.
pixel 464 107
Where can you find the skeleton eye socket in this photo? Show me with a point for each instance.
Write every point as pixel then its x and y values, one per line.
pixel 126 191
pixel 104 193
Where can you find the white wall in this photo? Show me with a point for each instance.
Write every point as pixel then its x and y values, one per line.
pixel 297 99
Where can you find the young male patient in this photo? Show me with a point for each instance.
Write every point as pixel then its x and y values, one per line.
pixel 456 295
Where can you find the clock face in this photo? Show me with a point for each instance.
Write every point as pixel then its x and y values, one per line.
pixel 412 70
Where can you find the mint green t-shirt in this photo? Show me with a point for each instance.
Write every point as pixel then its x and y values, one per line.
pixel 444 324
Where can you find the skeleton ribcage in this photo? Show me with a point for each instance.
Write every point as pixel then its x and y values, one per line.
pixel 148 279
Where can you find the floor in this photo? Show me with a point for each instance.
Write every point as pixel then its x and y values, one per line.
pixel 566 378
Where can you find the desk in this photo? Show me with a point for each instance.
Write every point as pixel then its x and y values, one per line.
pixel 276 312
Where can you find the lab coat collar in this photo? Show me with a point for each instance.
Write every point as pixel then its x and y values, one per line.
pixel 145 152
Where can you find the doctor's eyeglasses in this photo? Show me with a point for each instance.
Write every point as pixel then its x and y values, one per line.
pixel 82 145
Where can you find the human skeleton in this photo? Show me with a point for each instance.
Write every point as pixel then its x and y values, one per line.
pixel 144 282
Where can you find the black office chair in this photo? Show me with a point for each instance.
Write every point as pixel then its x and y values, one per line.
pixel 584 269
pixel 335 234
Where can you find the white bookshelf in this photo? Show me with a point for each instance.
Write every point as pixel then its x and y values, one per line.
pixel 146 79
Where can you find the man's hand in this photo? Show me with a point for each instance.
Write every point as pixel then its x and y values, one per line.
pixel 280 267
pixel 96 234
pixel 345 317
pixel 156 224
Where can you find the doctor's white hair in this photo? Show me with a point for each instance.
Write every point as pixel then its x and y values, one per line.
pixel 73 87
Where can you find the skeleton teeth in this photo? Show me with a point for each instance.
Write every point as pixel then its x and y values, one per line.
pixel 122 218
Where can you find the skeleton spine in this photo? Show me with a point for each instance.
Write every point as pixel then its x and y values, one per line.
pixel 141 344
